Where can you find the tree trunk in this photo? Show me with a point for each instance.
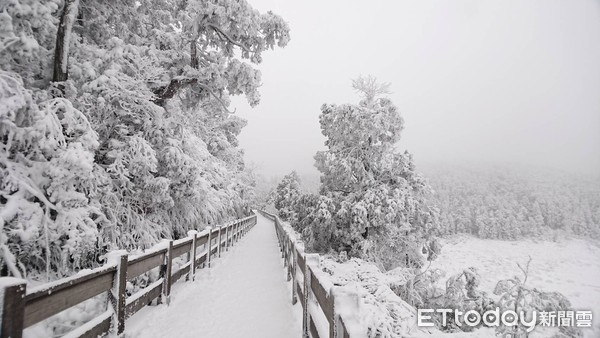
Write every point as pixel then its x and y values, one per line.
pixel 194 54
pixel 63 39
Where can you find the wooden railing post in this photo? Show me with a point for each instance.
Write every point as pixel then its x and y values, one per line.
pixel 13 307
pixel 333 323
pixel 294 272
pixel 232 233
pixel 309 260
pixel 341 328
pixel 192 255
pixel 285 252
pixel 306 289
pixel 288 255
pixel 227 238
pixel 167 277
pixel 290 258
pixel 208 246
pixel 237 231
pixel 341 331
pixel 282 245
pixel 118 294
pixel 219 242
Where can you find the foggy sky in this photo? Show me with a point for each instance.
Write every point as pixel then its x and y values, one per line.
pixel 502 81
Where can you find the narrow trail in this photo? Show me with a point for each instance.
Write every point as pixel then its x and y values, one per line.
pixel 244 294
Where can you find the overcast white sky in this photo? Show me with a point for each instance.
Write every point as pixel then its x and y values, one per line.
pixel 503 81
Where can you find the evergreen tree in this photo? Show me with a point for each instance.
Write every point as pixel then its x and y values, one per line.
pixel 286 195
pixel 372 201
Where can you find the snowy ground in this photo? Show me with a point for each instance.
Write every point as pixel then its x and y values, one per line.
pixel 244 294
pixel 571 267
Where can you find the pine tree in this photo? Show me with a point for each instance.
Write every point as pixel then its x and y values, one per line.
pixel 373 201
pixel 286 195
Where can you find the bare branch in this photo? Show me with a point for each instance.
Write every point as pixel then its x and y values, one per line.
pixel 193 54
pixel 221 33
pixel 369 87
pixel 212 93
pixel 526 270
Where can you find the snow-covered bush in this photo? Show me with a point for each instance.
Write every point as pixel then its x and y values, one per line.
pixel 462 293
pixel 417 288
pixel 421 289
pixel 381 311
pixel 515 295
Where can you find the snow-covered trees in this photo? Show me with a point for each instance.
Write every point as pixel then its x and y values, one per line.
pixel 119 113
pixel 511 203
pixel 286 195
pixel 372 201
pixel 48 188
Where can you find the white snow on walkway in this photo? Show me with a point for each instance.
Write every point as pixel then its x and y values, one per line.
pixel 244 294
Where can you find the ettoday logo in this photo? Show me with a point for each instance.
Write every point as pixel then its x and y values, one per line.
pixel 473 318
pixel 509 318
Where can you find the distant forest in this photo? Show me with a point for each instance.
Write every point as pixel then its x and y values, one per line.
pixel 509 203
pixel 501 202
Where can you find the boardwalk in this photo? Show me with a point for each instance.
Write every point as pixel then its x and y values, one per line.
pixel 243 295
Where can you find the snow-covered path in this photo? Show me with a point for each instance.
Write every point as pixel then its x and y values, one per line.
pixel 244 294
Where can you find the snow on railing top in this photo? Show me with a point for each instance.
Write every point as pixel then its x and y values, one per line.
pixel 354 295
pixel 21 308
pixel 340 305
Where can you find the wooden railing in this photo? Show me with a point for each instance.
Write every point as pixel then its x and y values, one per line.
pixel 22 308
pixel 313 283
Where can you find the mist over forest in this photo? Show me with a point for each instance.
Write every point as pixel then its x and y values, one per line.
pixel 502 201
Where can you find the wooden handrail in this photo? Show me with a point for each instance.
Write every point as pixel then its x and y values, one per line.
pixel 294 258
pixel 50 299
pixel 22 308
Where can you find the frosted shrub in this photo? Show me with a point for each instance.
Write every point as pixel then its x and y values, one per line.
pixel 462 293
pixel 515 295
pixel 417 288
pixel 381 311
